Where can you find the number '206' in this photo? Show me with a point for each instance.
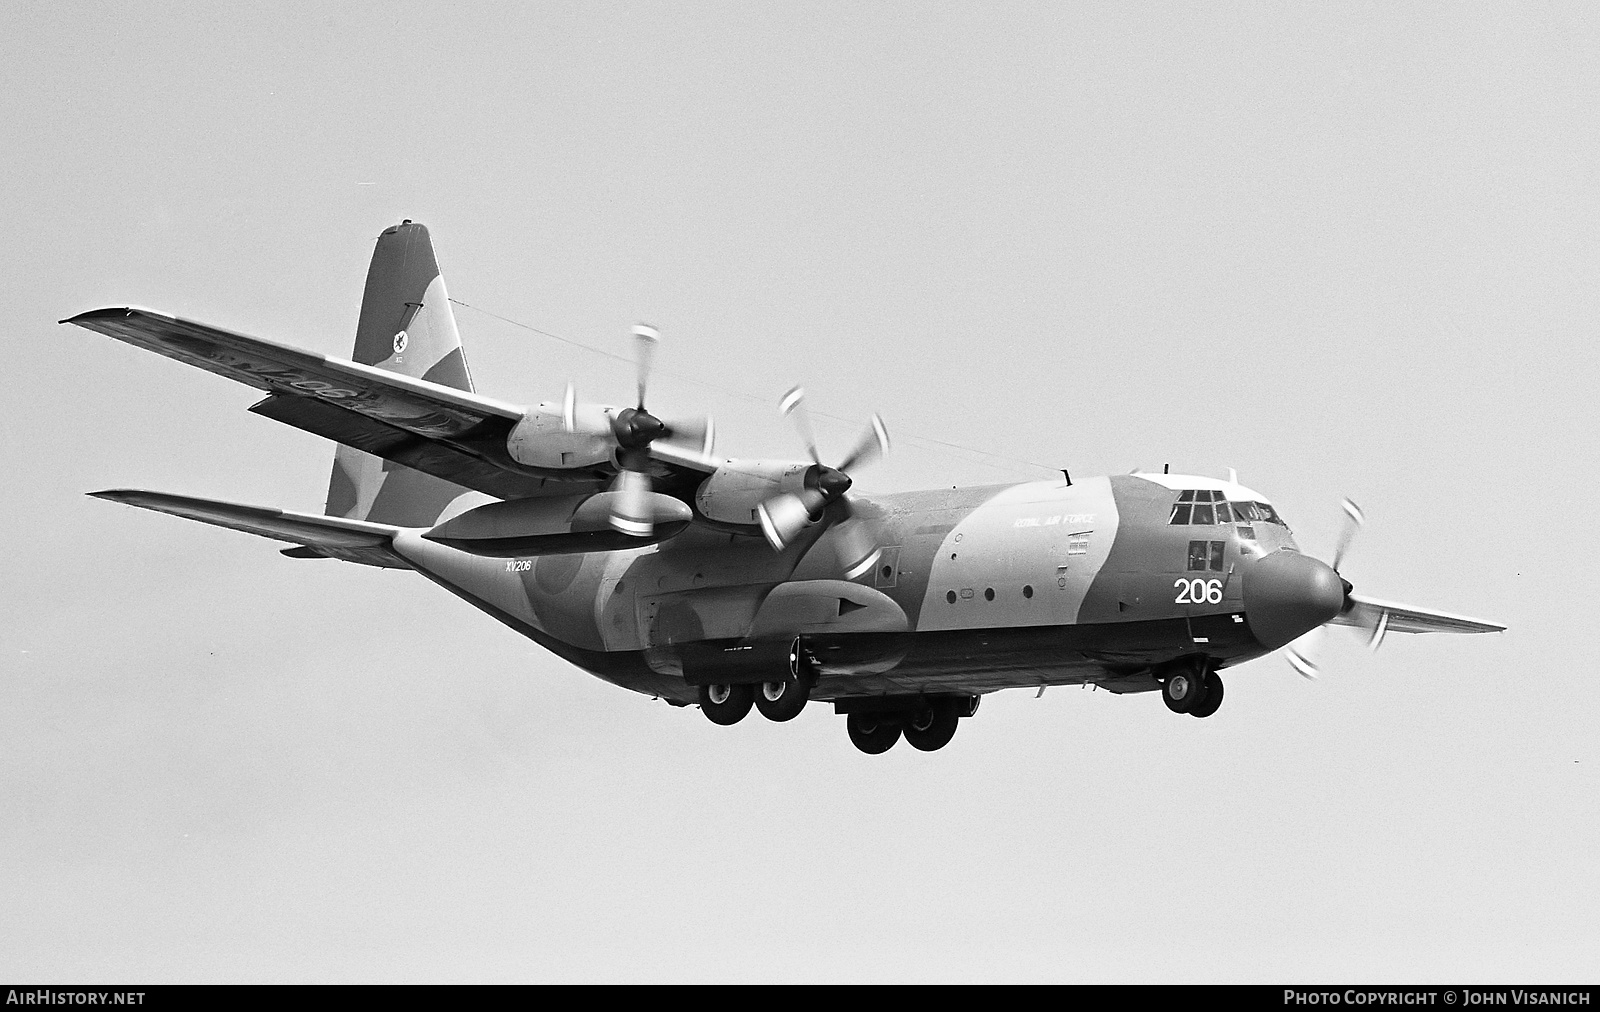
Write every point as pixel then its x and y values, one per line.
pixel 1198 591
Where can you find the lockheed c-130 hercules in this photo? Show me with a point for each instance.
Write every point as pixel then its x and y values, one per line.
pixel 622 543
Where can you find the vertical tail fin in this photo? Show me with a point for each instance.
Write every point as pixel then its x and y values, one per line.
pixel 407 327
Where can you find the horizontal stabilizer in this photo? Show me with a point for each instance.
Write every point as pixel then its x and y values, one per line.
pixel 330 537
pixel 1370 614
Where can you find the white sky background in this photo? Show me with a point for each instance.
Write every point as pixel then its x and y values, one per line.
pixel 1347 251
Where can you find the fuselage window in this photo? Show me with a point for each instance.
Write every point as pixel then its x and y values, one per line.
pixel 1180 513
pixel 1204 513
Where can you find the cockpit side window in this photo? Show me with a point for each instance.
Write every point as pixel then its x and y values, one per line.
pixel 1253 512
pixel 1204 555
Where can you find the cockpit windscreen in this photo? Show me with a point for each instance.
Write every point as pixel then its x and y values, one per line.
pixel 1207 506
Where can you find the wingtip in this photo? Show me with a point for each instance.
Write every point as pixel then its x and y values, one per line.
pixel 121 495
pixel 112 312
pixel 95 314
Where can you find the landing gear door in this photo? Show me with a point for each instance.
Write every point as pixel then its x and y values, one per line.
pixel 689 616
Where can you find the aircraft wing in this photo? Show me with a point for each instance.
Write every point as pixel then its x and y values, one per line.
pixel 417 406
pixel 333 537
pixel 1369 613
pixel 453 434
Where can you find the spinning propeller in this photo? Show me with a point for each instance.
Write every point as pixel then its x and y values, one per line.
pixel 784 516
pixel 634 430
pixel 1302 653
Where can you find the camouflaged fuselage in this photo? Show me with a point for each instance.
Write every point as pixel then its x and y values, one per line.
pixel 977 589
pixel 902 608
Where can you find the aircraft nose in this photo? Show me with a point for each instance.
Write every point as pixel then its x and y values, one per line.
pixel 1286 595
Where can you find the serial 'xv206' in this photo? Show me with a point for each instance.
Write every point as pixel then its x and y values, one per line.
pixel 618 541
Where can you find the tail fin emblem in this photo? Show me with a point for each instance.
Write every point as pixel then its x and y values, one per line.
pixel 400 340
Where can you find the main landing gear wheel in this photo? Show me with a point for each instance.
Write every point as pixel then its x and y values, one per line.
pixel 1182 690
pixel 873 733
pixel 931 729
pixel 726 704
pixel 1211 699
pixel 782 700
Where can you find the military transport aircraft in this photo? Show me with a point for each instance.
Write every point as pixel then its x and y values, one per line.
pixel 620 542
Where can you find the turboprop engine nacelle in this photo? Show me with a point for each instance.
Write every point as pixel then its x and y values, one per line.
pixel 736 489
pixel 542 438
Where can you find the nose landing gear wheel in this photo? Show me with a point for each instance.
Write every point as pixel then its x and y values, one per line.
pixel 725 704
pixel 873 733
pixel 1211 699
pixel 1182 690
pixel 782 700
pixel 931 729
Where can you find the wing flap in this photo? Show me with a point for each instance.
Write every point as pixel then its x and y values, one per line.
pixel 334 537
pixel 449 461
pixel 1368 613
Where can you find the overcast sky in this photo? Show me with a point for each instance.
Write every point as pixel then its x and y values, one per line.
pixel 1345 249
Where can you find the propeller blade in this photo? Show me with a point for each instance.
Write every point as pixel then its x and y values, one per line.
pixel 873 444
pixel 698 434
pixel 1376 639
pixel 1354 519
pixel 793 405
pixel 858 550
pixel 1302 654
pixel 631 514
pixel 1303 665
pixel 784 516
pixel 645 339
pixel 569 409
